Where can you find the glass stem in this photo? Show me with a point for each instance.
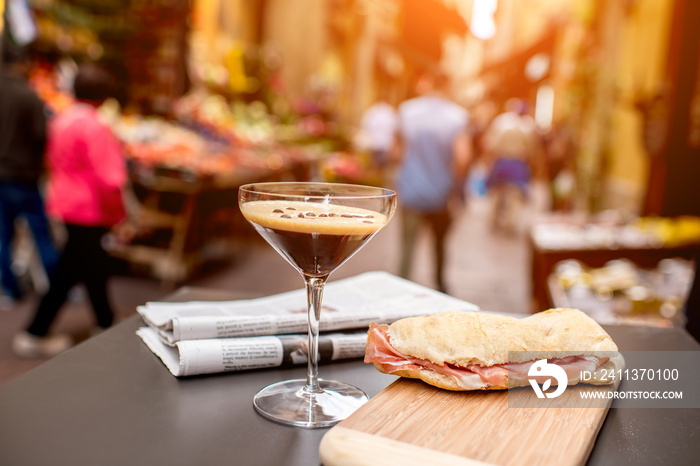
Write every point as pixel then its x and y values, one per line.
pixel 314 295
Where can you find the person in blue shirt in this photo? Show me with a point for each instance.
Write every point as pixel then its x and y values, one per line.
pixel 435 147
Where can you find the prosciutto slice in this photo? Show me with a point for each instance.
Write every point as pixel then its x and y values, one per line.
pixel 473 377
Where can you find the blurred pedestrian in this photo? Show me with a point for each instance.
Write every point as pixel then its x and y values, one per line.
pixel 86 177
pixel 378 129
pixel 513 145
pixel 22 144
pixel 435 147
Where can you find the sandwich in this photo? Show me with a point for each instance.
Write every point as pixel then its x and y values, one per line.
pixel 479 351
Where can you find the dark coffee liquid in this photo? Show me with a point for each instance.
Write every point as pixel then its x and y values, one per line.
pixel 315 254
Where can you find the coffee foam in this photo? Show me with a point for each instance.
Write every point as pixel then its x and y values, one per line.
pixel 261 213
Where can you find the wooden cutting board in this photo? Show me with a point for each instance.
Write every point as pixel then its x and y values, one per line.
pixel 410 422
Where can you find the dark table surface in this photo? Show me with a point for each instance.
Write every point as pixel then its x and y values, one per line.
pixel 110 401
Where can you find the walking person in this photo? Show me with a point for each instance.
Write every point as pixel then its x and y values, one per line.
pixel 22 144
pixel 86 177
pixel 378 126
pixel 513 145
pixel 436 149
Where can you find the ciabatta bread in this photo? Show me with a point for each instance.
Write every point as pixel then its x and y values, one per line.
pixel 463 350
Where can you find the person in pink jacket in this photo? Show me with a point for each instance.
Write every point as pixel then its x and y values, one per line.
pixel 86 175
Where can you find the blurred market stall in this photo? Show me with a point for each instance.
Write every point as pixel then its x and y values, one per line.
pixel 617 269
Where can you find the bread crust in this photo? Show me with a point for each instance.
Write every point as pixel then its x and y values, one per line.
pixel 474 338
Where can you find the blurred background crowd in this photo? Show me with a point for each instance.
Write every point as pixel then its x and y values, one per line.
pixel 578 122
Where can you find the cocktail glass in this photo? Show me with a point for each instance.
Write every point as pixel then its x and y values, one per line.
pixel 316 227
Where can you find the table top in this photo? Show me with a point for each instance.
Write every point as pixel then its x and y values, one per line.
pixel 110 401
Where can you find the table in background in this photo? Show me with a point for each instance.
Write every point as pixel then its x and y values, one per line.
pixel 110 401
pixel 544 260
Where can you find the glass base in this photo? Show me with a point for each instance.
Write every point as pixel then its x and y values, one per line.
pixel 289 403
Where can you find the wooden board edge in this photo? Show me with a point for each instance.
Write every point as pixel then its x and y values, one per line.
pixel 341 446
pixel 619 364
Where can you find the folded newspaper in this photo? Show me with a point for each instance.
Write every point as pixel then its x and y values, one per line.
pixel 196 357
pixel 202 337
pixel 350 303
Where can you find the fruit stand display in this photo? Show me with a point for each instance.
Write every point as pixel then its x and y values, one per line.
pixel 187 154
pixel 185 170
pixel 184 175
pixel 183 196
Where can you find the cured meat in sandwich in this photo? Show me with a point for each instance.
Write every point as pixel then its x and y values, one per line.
pixel 479 351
